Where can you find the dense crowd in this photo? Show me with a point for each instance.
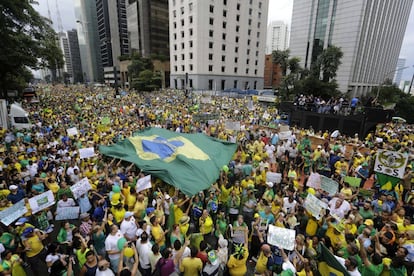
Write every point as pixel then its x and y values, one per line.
pixel 219 231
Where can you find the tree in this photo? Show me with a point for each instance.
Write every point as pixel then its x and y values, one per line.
pixel 22 33
pixel 147 81
pixel 282 58
pixel 329 61
pixel 51 54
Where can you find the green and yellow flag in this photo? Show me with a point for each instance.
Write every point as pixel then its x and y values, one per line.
pixel 190 162
pixel 329 265
pixel 387 182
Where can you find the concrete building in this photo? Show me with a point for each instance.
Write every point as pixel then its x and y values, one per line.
pixel 113 36
pixel 67 66
pixel 148 27
pixel 277 36
pixel 217 45
pixel 85 13
pixel 398 71
pixel 370 34
pixel 75 57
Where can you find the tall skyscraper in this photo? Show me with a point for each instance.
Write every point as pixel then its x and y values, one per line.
pixel 217 45
pixel 85 13
pixel 399 71
pixel 64 45
pixel 148 27
pixel 369 33
pixel 113 35
pixel 277 36
pixel 75 57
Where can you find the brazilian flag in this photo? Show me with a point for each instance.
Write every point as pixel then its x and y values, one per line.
pixel 387 182
pixel 329 265
pixel 190 162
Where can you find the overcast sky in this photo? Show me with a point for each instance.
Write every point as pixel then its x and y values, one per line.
pixel 278 10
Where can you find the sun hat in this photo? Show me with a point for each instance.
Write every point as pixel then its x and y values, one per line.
pixel 13 187
pixel 128 214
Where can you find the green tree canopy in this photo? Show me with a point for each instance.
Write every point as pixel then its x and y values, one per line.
pixel 281 57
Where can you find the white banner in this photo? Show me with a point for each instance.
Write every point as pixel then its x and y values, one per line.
pixel 9 215
pixel 391 163
pixel 329 185
pixel 314 206
pixel 86 153
pixel 67 213
pixel 72 131
pixel 42 201
pixel 80 188
pixel 285 135
pixel 281 237
pixel 276 178
pixel 283 128
pixel 232 125
pixel 143 183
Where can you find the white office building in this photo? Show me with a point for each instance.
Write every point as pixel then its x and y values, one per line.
pixel 217 45
pixel 277 36
pixel 370 34
pixel 64 46
pixel 399 71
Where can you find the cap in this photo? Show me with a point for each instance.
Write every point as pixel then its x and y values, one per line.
pixel 27 231
pixel 13 187
pixel 269 184
pixel 149 210
pixel 167 197
pixel 369 222
pixel 256 215
pixel 319 146
pixel 21 221
pixel 184 220
pixel 212 257
pixel 128 214
pixel 84 216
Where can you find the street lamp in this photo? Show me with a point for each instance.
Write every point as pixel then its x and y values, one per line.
pixel 386 75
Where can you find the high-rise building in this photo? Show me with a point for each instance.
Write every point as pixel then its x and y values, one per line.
pixel 148 27
pixel 85 13
pixel 113 35
pixel 399 71
pixel 277 36
pixel 67 66
pixel 369 33
pixel 217 45
pixel 75 57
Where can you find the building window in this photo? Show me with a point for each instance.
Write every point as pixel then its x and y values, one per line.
pixel 182 45
pixel 224 13
pixel 247 61
pixel 260 15
pixel 182 68
pixel 210 45
pixel 182 83
pixel 238 17
pixel 210 84
pixel 249 32
pixel 255 72
pixel 175 83
pixel 250 11
pixel 175 68
pixel 175 47
pixel 211 8
pixel 190 19
pixel 235 71
pixel 257 44
pixel 248 42
pixel 224 25
pixel 255 85
pixel 223 69
pixel 175 25
pixel 223 36
pixel 249 22
pixel 182 22
pixel 237 39
pixel 238 6
pixel 175 36
pixel 182 10
pixel 223 58
pixel 236 59
pixel 210 56
pixel 210 33
pixel 190 83
pixel 182 34
pixel 260 5
pixel 223 84
pixel 237 28
pixel 258 34
pixel 191 31
pixel 235 82
pixel 258 25
pixel 236 49
pixel 247 70
pixel 190 6
pixel 211 21
pixel 175 57
pixel 190 55
pixel 182 57
pixel 174 13
pixel 173 2
pixel 256 62
pixel 223 47
pixel 257 53
pixel 191 67
pixel 210 68
pixel 246 84
pixel 251 2
pixel 224 2
pixel 190 43
pixel 248 52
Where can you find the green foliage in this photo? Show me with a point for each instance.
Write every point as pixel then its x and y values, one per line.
pixel 147 80
pixel 282 58
pixel 329 61
pixel 405 108
pixel 387 94
pixel 51 54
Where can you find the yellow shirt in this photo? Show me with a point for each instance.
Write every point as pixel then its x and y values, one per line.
pixel 158 235
pixel 238 267
pixel 178 214
pixel 191 266
pixel 118 214
pixel 207 226
pixel 53 186
pixel 139 209
pixel 337 240
pixel 35 245
pixel 261 265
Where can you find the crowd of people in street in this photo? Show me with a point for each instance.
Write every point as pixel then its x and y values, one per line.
pixel 220 231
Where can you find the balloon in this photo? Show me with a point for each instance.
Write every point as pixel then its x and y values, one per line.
pixel 116 189
pixel 128 252
pixel 225 168
pixel 121 243
pixel 311 191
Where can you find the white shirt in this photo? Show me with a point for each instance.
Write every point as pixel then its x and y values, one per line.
pixel 129 228
pixel 144 251
pixel 111 244
pixel 68 203
pixel 106 272
pixel 342 210
pixel 352 273
pixel 289 206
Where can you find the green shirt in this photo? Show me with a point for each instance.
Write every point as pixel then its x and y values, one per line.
pixel 372 270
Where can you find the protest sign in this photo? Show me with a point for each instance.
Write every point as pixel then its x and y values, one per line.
pixel 314 206
pixel 283 128
pixel 285 135
pixel 232 125
pixel 72 131
pixel 211 122
pixel 329 185
pixel 80 188
pixel 281 237
pixel 67 213
pixel 42 201
pixel 352 181
pixel 86 153
pixel 143 183
pixel 9 215
pixel 276 178
pixel 391 163
pixel 314 181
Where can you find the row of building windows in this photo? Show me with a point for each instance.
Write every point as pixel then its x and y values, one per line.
pixel 246 84
pixel 210 69
pixel 190 5
pixel 223 46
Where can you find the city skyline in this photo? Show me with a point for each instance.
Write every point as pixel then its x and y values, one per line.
pixel 278 10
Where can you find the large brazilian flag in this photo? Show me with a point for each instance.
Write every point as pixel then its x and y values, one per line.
pixel 329 265
pixel 190 162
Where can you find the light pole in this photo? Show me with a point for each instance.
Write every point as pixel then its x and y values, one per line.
pixel 386 75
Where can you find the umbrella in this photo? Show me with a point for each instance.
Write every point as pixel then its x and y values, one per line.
pixel 399 119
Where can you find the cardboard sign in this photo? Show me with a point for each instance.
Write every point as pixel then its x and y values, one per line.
pixel 67 213
pixel 276 178
pixel 314 206
pixel 72 131
pixel 86 153
pixel 281 237
pixel 9 215
pixel 391 163
pixel 329 185
pixel 232 125
pixel 81 188
pixel 285 135
pixel 314 181
pixel 144 183
pixel 283 128
pixel 42 201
